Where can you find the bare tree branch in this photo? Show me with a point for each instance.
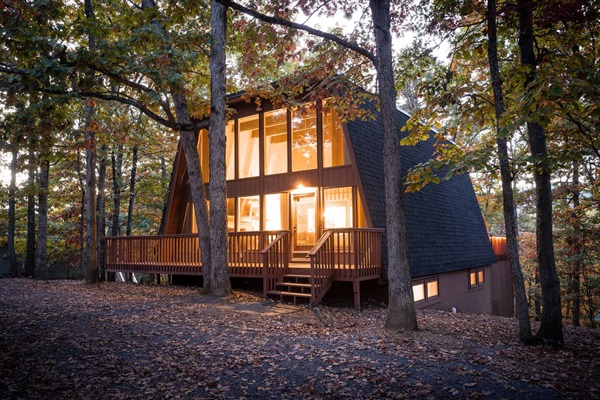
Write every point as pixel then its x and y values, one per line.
pixel 284 22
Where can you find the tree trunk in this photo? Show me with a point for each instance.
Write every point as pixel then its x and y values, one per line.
pixel 12 203
pixel 219 280
pixel 401 314
pixel 190 150
pixel 575 284
pixel 100 212
pixel 551 324
pixel 163 174
pixel 132 179
pixel 81 217
pixel 41 259
pixel 30 252
pixel 117 180
pixel 91 268
pixel 510 214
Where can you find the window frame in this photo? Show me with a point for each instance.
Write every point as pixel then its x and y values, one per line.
pixel 425 281
pixel 476 273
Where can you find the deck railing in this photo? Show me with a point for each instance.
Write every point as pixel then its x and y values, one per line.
pixel 169 254
pixel 347 254
pixel 356 252
pixel 180 254
pixel 275 261
pixel 244 251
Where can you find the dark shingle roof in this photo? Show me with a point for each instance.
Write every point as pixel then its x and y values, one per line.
pixel 445 229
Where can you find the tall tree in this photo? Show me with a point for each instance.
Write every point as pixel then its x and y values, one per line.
pixel 41 259
pixel 12 201
pixel 551 323
pixel 30 252
pixel 91 264
pixel 219 279
pixel 132 179
pixel 510 212
pixel 401 308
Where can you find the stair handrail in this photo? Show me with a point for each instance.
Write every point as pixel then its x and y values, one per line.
pixel 275 261
pixel 321 267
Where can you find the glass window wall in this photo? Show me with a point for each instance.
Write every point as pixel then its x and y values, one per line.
pixel 248 147
pixel 276 155
pixel 304 138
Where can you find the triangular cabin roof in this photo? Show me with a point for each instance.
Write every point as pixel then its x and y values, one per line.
pixel 445 228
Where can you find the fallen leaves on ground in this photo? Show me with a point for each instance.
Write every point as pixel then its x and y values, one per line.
pixel 68 340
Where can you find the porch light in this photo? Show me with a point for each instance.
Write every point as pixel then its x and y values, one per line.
pixel 301 189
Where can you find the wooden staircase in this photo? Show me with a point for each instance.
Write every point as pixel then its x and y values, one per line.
pixel 295 286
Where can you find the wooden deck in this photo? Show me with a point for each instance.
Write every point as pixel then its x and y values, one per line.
pixel 348 254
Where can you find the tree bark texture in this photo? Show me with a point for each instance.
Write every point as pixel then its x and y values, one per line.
pixel 117 180
pixel 510 213
pixel 401 314
pixel 12 203
pixel 30 252
pixel 132 179
pixel 41 259
pixel 219 280
pixel 551 323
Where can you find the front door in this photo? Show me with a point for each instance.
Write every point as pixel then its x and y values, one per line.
pixel 304 222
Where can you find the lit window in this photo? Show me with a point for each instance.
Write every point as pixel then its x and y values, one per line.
pixel 419 292
pixel 426 289
pixel 338 207
pixel 248 147
pixel 230 215
pixel 276 211
pixel 276 142
pixel 432 288
pixel 203 154
pixel 335 152
pixel 248 214
pixel 230 150
pixel 304 138
pixel 476 277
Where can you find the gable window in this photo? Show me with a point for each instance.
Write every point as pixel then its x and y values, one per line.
pixel 335 152
pixel 425 289
pixel 230 150
pixel 248 147
pixel 304 138
pixel 276 155
pixel 476 277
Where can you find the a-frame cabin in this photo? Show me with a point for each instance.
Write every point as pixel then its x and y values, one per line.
pixel 306 209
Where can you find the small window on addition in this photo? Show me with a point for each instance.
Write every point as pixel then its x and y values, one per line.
pixel 425 289
pixel 476 277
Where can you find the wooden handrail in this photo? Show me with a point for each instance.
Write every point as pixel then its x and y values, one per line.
pixel 275 261
pixel 320 243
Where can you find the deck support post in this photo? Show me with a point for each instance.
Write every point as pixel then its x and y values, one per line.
pixel 356 290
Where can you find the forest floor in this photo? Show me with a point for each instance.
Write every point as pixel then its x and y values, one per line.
pixel 67 340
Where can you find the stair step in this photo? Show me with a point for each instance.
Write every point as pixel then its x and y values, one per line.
pixel 297 276
pixel 294 294
pixel 293 284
